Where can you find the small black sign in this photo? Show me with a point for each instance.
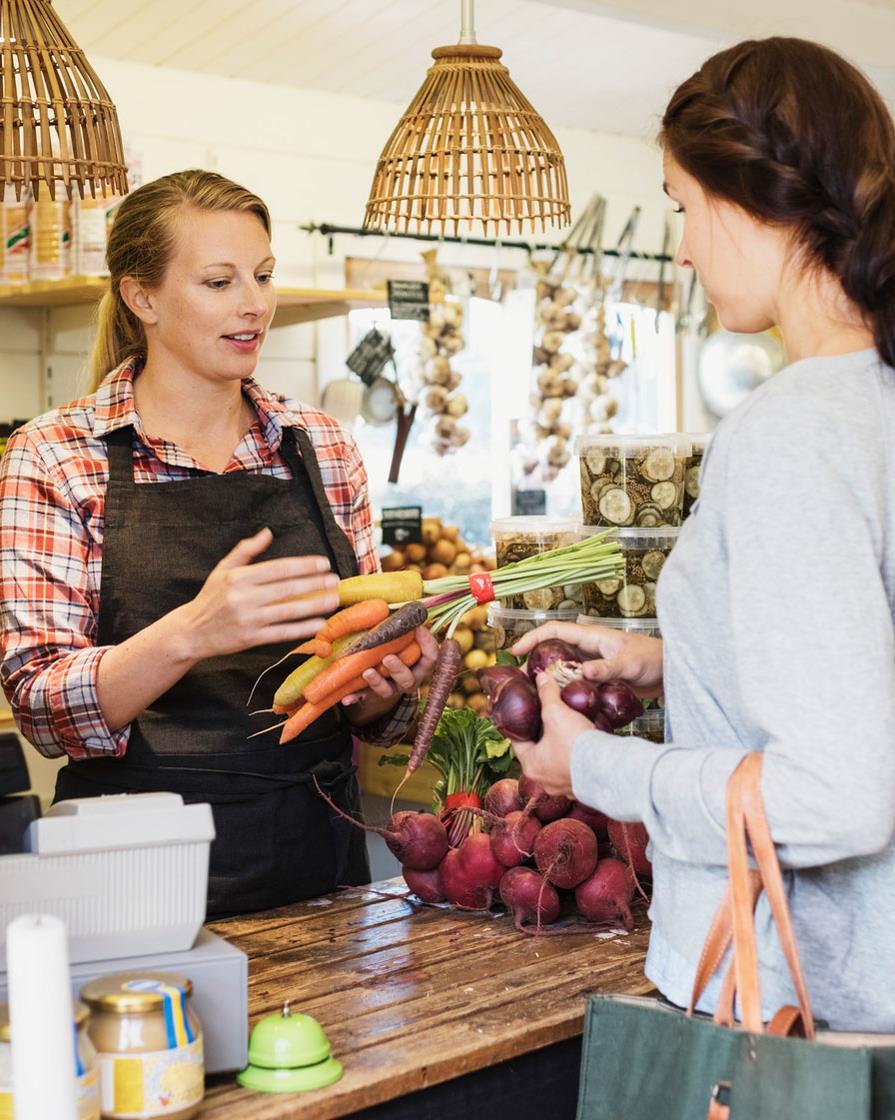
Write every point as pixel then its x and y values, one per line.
pixel 408 299
pixel 371 355
pixel 402 525
pixel 527 502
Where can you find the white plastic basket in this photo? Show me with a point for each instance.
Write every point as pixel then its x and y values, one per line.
pixel 128 874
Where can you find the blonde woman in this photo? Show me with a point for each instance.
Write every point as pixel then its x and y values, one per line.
pixel 170 535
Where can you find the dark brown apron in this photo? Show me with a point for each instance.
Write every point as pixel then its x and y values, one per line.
pixel 277 841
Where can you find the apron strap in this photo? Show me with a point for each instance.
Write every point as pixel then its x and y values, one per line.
pixel 346 561
pixel 119 448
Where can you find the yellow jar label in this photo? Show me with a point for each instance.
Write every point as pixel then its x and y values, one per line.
pixel 87 1095
pixel 146 1086
pixel 5 1105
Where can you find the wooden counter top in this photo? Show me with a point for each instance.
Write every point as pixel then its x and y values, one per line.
pixel 412 997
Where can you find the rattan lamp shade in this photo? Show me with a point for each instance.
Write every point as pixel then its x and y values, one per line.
pixel 470 148
pixel 58 125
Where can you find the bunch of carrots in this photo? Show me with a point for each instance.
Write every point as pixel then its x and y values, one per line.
pixel 348 644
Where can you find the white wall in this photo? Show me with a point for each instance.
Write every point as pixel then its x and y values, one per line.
pixel 310 155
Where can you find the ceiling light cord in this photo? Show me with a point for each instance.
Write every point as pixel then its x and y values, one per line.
pixel 467 21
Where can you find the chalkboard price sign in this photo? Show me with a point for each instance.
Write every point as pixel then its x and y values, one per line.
pixel 402 525
pixel 408 299
pixel 528 502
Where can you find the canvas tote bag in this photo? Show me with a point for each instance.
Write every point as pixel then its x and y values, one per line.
pixel 642 1060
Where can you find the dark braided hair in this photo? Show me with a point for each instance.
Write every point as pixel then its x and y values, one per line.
pixel 798 137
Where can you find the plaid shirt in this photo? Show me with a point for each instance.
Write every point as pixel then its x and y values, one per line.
pixel 52 499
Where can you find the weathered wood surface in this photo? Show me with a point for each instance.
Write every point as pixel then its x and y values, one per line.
pixel 411 996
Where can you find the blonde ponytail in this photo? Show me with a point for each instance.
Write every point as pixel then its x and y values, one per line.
pixel 141 242
pixel 119 334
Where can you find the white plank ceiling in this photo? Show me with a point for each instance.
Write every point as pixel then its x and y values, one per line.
pixel 584 64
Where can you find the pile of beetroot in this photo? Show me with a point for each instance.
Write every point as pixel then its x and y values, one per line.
pixel 542 855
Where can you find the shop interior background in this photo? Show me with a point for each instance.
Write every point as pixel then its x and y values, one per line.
pixel 295 100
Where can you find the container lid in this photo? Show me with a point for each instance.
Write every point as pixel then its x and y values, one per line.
pixel 80 1013
pixel 126 820
pixel 504 616
pixel 699 440
pixel 114 992
pixel 534 525
pixel 664 536
pixel 619 623
pixel 633 444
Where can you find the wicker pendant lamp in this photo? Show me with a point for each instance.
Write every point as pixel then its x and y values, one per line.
pixel 470 148
pixel 58 125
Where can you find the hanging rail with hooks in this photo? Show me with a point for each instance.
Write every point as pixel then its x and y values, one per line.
pixel 330 231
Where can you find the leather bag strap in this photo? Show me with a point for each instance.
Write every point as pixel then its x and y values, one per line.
pixel 747 824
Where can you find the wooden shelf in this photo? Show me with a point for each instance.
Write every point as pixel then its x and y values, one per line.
pixel 54 293
pixel 294 305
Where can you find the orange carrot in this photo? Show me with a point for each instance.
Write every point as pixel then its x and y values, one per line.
pixel 303 716
pixel 350 667
pixel 359 616
pixel 317 647
pixel 307 713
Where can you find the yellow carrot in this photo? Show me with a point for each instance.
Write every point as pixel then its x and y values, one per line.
pixel 393 587
pixel 292 689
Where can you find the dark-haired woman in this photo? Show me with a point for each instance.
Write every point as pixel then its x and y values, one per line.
pixel 776 606
pixel 173 533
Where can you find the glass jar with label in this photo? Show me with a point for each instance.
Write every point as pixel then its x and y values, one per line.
pixel 86 1072
pixel 149 1046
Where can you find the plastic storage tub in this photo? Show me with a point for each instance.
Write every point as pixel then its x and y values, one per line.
pixel 632 595
pixel 128 874
pixel 632 480
pixel 517 538
pixel 699 441
pixel 648 627
pixel 510 625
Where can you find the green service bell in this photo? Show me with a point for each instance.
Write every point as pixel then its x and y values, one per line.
pixel 289 1054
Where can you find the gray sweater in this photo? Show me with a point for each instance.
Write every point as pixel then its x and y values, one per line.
pixel 776 609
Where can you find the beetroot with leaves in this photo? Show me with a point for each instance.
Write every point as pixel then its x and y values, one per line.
pixel 513 836
pixel 503 797
pixel 533 901
pixel 471 873
pixel 596 821
pixel 566 852
pixel 545 806
pixel 426 885
pixel 630 838
pixel 605 896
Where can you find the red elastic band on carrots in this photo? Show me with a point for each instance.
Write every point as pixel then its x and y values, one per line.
pixel 464 799
pixel 482 587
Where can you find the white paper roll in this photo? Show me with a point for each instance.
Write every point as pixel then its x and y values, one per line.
pixel 40 1017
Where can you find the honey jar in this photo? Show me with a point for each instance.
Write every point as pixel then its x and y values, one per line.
pixel 149 1046
pixel 86 1071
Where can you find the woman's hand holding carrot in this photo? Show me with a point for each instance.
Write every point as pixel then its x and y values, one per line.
pixel 244 604
pixel 381 694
